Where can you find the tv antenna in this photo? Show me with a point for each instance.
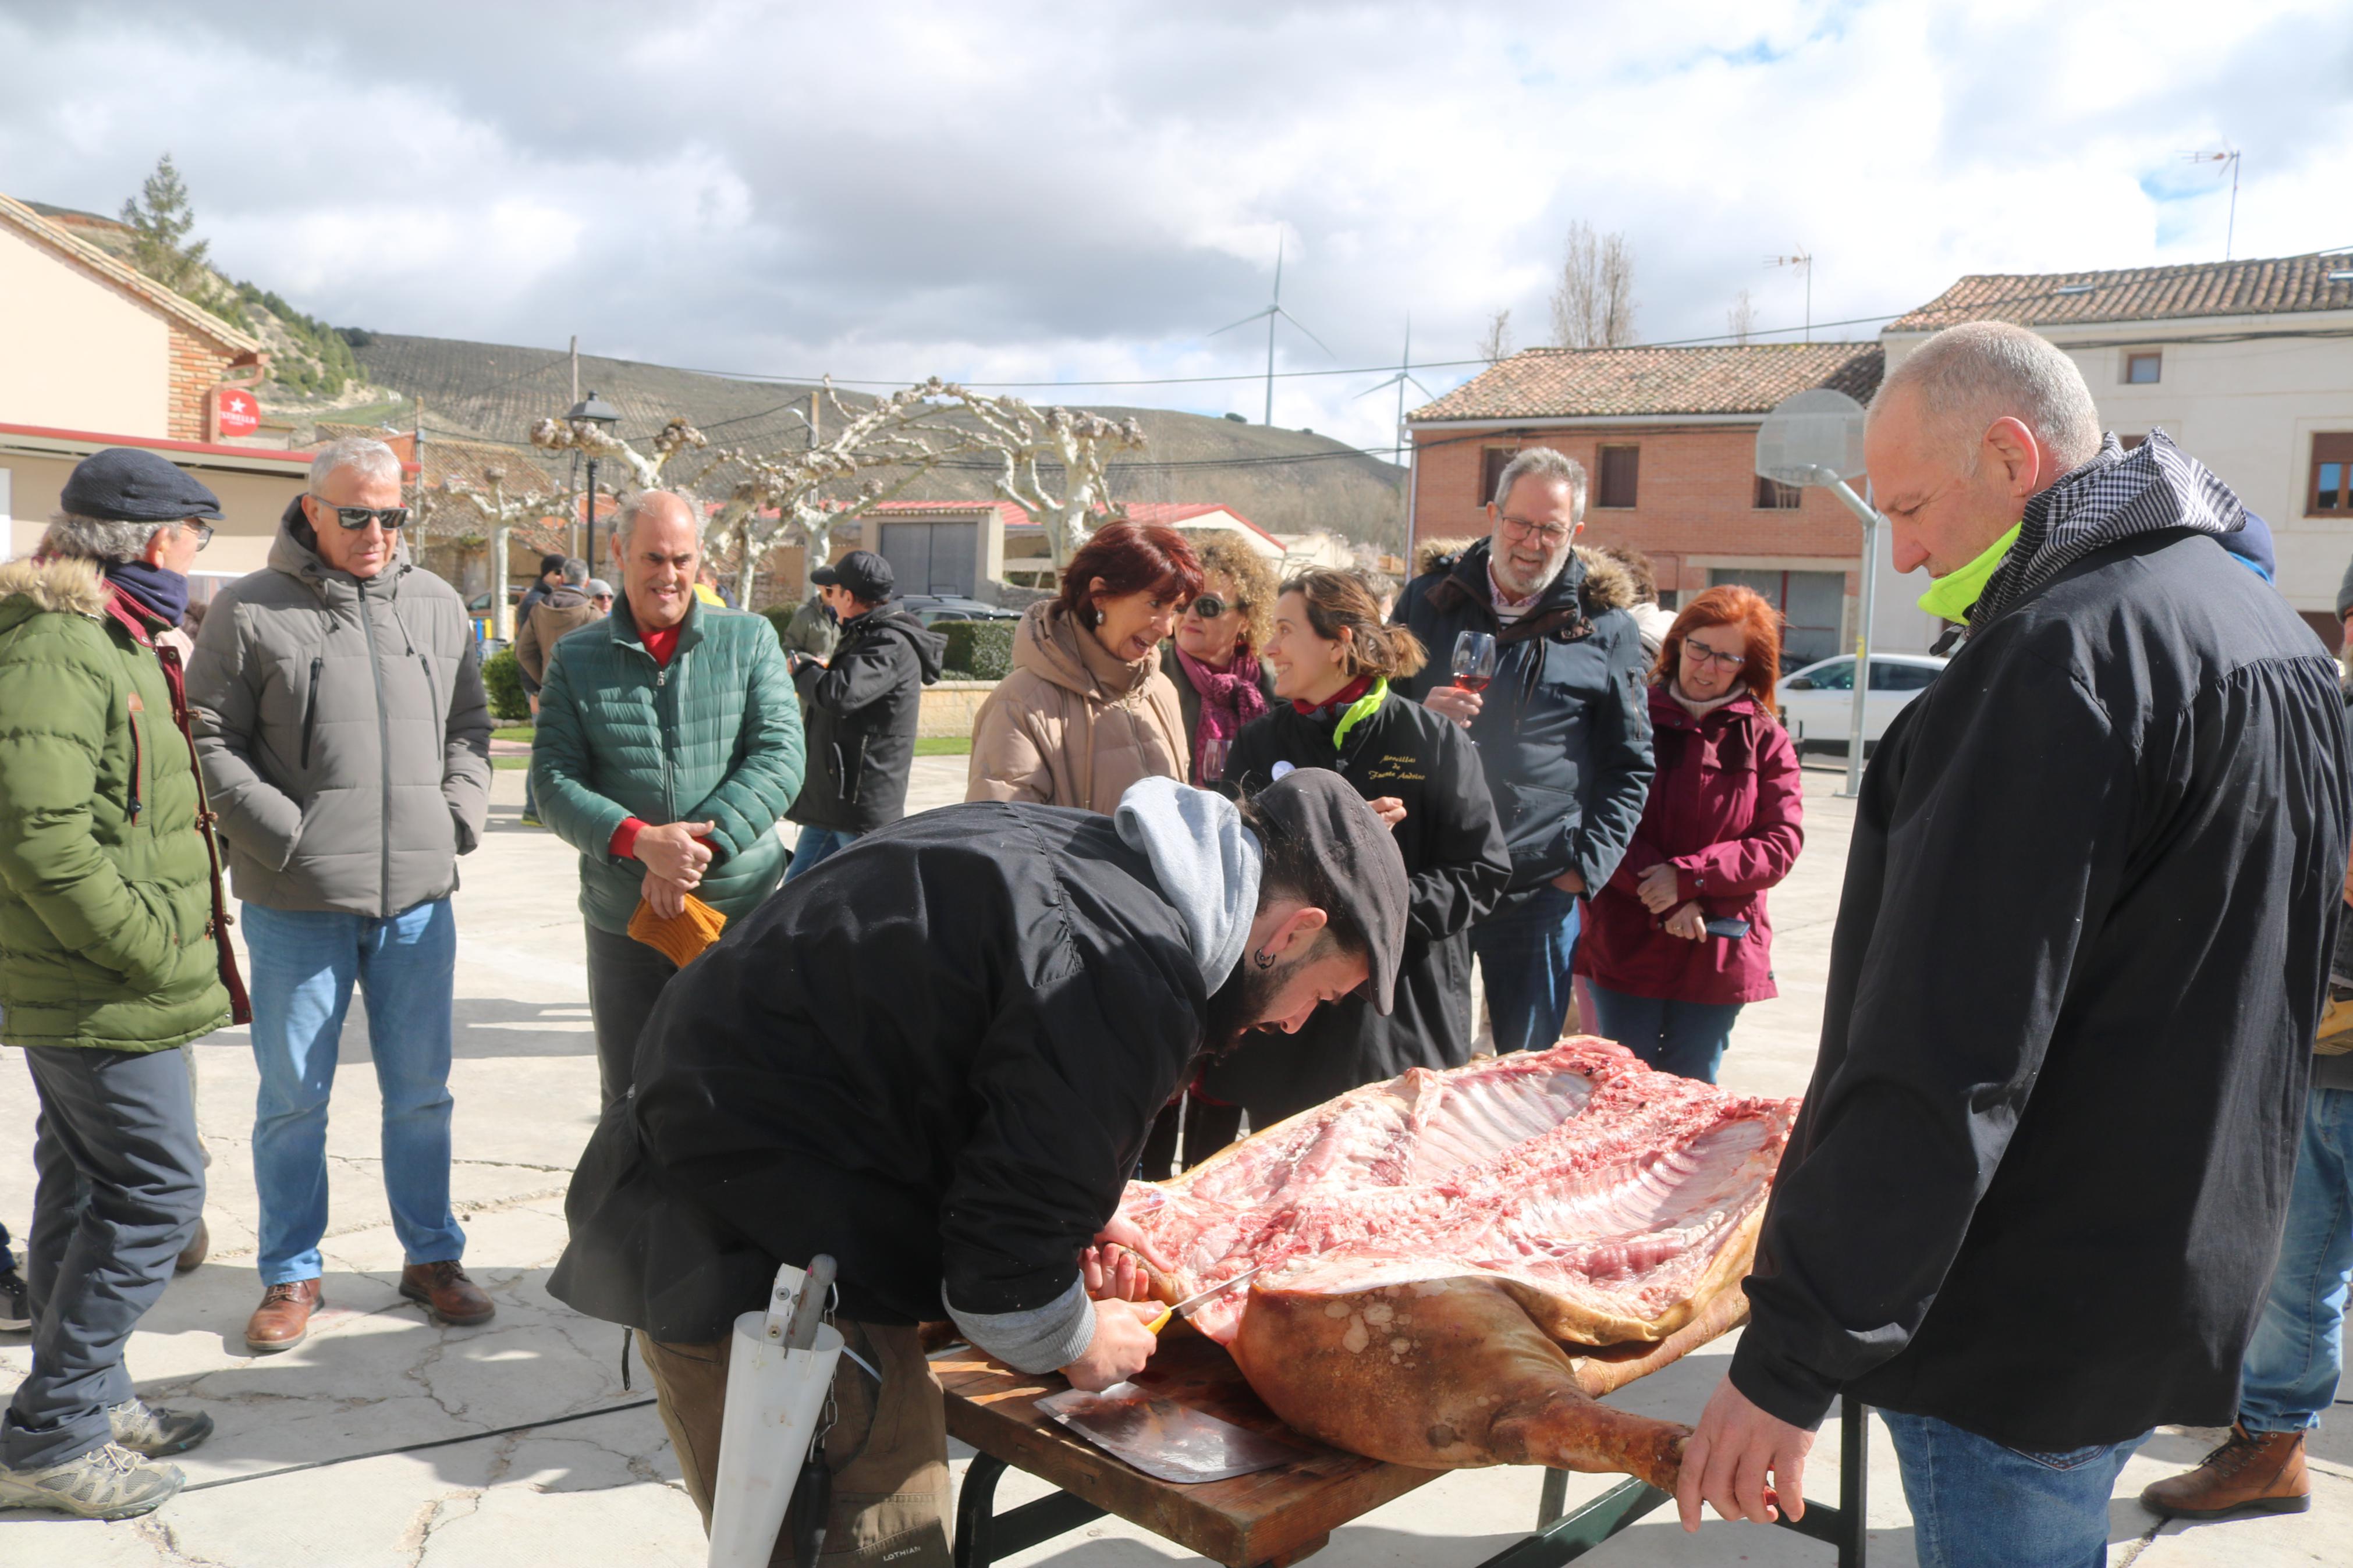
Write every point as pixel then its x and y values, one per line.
pixel 1803 261
pixel 1401 380
pixel 1271 314
pixel 2229 157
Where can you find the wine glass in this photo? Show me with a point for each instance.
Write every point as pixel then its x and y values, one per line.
pixel 1213 761
pixel 1474 661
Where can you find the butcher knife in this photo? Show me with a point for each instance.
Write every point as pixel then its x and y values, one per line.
pixel 1165 1440
pixel 1189 1302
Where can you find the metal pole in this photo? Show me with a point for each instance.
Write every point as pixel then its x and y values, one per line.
pixel 592 516
pixel 1871 523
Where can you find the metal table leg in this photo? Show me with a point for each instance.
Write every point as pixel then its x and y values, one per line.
pixel 983 1535
pixel 1843 1527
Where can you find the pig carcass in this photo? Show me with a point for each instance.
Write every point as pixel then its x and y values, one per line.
pixel 1458 1264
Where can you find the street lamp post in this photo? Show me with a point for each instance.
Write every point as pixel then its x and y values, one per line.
pixel 1815 438
pixel 593 410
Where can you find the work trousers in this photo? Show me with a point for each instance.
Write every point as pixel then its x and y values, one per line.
pixel 305 962
pixel 120 1186
pixel 625 980
pixel 1524 956
pixel 888 1448
pixel 2291 1366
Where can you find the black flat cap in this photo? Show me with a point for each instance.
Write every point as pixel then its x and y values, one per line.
pixel 862 572
pixel 131 484
pixel 1323 810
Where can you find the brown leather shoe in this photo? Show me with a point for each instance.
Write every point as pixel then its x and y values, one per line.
pixel 283 1319
pixel 199 1245
pixel 446 1291
pixel 2253 1472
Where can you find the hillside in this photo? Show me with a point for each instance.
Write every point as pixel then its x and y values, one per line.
pixel 1287 481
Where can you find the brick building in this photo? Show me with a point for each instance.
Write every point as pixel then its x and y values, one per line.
pixel 1668 437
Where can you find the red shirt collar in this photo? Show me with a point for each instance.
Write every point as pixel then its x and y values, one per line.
pixel 1337 702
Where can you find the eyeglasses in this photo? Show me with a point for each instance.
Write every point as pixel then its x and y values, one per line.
pixel 1208 606
pixel 391 519
pixel 1699 653
pixel 1551 533
pixel 202 531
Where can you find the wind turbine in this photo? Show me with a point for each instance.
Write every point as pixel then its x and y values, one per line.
pixel 1401 380
pixel 1272 312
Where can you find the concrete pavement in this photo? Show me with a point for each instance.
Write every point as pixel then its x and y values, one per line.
pixel 544 1458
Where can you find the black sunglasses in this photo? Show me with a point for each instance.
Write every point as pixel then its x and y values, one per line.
pixel 1208 606
pixel 354 518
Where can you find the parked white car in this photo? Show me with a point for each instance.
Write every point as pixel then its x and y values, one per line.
pixel 1818 701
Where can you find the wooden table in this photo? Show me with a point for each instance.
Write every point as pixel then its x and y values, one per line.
pixel 1272 1518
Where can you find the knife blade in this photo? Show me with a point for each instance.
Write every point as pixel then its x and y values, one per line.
pixel 1189 1302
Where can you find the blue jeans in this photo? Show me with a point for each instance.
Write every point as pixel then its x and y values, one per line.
pixel 2289 1375
pixel 304 964
pixel 1524 957
pixel 815 845
pixel 1977 1503
pixel 1688 1038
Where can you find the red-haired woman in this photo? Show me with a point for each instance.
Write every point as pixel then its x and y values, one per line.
pixel 1677 941
pixel 1086 711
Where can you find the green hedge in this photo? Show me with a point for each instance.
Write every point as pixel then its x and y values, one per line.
pixel 981 650
pixel 781 617
pixel 502 679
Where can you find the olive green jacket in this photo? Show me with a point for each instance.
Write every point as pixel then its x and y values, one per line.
pixel 106 903
pixel 714 736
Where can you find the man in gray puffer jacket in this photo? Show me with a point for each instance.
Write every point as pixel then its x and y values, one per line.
pixel 340 718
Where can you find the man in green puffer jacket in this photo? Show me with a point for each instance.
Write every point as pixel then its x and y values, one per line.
pixel 112 953
pixel 668 748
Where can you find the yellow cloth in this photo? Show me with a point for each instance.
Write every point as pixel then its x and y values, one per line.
pixel 680 937
pixel 1952 594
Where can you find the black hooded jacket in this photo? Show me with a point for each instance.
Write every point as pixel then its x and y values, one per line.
pixel 1565 732
pixel 935 1058
pixel 862 707
pixel 1455 866
pixel 2038 1183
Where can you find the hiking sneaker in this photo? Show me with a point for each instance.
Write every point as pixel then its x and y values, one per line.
pixel 2251 1472
pixel 16 1305
pixel 108 1482
pixel 155 1432
pixel 529 819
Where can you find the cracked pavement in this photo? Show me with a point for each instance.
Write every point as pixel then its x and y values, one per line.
pixel 376 1374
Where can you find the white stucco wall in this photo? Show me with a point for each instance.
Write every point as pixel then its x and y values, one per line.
pixel 2248 410
pixel 74 354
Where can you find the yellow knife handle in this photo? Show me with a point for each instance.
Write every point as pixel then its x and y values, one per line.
pixel 1161 1321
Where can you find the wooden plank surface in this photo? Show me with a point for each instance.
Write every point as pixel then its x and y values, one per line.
pixel 1273 1516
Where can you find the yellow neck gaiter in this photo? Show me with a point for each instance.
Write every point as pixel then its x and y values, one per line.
pixel 1952 594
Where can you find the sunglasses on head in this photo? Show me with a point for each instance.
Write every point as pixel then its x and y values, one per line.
pixel 1208 606
pixel 354 517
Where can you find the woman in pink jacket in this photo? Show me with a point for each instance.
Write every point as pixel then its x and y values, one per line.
pixel 1678 941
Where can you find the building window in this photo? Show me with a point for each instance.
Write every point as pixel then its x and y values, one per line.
pixel 2332 475
pixel 2143 369
pixel 1621 465
pixel 1492 461
pixel 1772 495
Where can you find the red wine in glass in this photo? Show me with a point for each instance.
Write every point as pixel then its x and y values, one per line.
pixel 1474 682
pixel 1474 661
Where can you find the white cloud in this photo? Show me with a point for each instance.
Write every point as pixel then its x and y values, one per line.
pixel 1032 192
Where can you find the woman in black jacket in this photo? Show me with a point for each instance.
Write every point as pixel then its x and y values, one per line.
pixel 1333 661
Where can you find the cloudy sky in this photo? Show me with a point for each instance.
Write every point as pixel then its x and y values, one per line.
pixel 1004 192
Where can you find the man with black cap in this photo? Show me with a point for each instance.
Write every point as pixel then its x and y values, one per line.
pixel 937 1058
pixel 114 951
pixel 861 708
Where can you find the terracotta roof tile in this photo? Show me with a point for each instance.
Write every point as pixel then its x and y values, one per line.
pixel 2258 287
pixel 1729 378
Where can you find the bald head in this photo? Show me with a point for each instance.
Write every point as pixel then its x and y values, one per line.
pixel 1980 420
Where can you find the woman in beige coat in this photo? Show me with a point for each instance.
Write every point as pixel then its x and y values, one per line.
pixel 1086 711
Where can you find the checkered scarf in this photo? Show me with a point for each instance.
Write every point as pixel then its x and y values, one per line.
pixel 2115 496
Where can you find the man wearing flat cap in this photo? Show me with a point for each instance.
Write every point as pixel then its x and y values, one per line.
pixel 114 951
pixel 936 1059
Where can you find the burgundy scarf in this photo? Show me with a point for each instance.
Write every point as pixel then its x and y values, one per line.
pixel 1230 698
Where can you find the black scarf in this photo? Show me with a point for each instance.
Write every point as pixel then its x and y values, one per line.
pixel 163 594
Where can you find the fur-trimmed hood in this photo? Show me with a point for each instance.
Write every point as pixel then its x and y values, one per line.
pixel 1606 585
pixel 61 583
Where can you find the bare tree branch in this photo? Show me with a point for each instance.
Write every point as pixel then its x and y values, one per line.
pixel 1742 318
pixel 1593 300
pixel 1495 343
